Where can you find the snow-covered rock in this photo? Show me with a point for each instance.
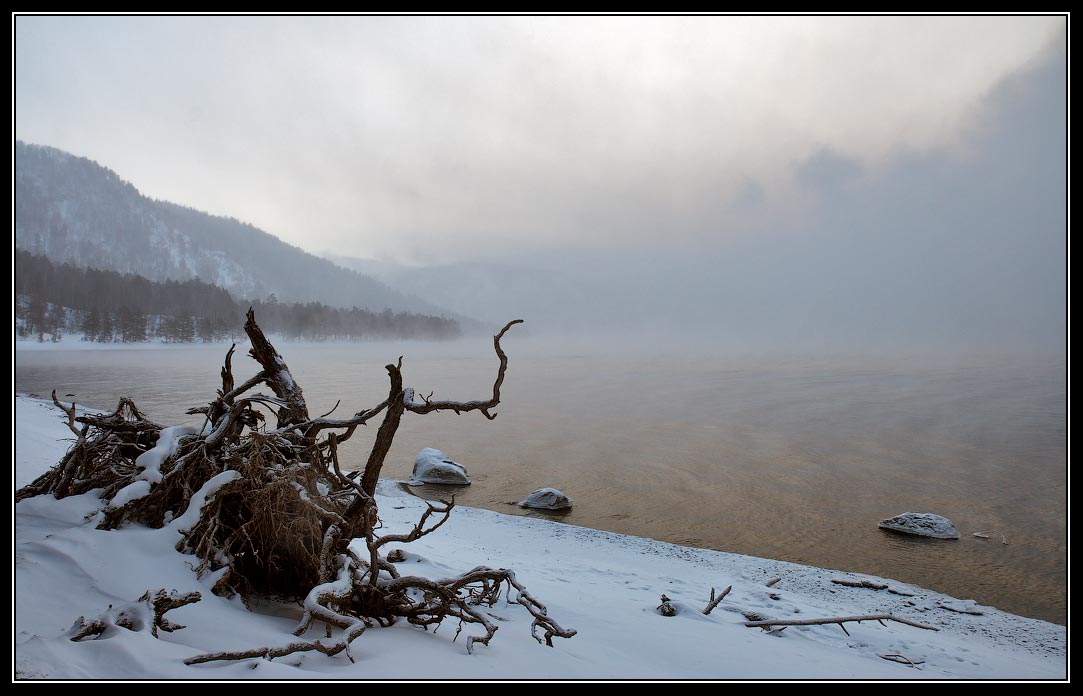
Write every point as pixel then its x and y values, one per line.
pixel 433 466
pixel 547 499
pixel 923 524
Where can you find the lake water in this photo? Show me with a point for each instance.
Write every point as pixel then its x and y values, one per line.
pixel 789 458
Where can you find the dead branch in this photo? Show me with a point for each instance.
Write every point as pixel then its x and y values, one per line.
pixel 343 644
pixel 312 427
pixel 386 433
pixel 714 601
pixel 419 529
pixel 665 608
pixel 103 455
pixel 980 535
pixel 276 374
pixel 902 659
pixel 840 620
pixel 484 406
pixel 146 612
pixel 861 583
pixel 961 610
pixel 69 412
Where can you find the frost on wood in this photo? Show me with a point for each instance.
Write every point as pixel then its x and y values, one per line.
pixel 767 624
pixel 147 612
pixel 264 503
pixel 923 524
pixel 714 601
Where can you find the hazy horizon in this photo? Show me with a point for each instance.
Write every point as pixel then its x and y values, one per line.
pixel 879 183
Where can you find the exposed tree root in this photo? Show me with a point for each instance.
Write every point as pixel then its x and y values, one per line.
pixel 282 525
pixel 861 583
pixel 104 453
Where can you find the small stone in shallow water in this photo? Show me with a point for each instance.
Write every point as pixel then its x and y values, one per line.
pixel 923 524
pixel 547 499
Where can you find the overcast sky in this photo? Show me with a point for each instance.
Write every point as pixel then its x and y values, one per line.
pixel 783 142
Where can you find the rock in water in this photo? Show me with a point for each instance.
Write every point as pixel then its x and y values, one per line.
pixel 433 466
pixel 547 499
pixel 923 524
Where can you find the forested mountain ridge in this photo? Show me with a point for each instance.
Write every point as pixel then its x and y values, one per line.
pixel 71 209
pixel 106 306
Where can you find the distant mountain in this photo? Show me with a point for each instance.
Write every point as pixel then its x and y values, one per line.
pixel 72 209
pixel 548 299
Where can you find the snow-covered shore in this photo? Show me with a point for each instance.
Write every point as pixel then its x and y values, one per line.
pixel 602 584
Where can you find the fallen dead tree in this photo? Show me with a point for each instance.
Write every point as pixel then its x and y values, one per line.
pixel 279 511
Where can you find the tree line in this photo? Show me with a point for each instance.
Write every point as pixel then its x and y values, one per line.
pixel 54 299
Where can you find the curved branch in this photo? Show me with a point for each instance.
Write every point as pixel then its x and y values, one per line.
pixel 386 434
pixel 69 412
pixel 461 406
pixel 484 575
pixel 312 427
pixel 419 529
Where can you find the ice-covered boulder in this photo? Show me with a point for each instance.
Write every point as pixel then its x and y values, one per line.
pixel 547 499
pixel 433 466
pixel 923 524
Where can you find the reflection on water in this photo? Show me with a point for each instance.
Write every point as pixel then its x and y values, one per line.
pixel 793 459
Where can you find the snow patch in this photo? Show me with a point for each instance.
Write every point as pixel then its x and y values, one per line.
pixel 151 460
pixel 133 491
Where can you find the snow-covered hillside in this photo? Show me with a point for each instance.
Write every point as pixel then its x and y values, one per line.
pixel 72 209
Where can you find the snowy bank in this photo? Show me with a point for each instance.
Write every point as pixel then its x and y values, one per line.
pixel 602 584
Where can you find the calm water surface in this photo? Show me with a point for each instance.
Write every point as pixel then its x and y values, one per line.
pixel 796 459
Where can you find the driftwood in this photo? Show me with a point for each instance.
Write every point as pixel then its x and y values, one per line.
pixel 753 616
pixel 773 581
pixel 861 583
pixel 873 586
pixel 714 601
pixel 103 455
pixel 964 609
pixel 146 612
pixel 840 620
pixel 665 608
pixel 282 513
pixel 902 659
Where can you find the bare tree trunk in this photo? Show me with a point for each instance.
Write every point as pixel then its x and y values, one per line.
pixel 276 374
